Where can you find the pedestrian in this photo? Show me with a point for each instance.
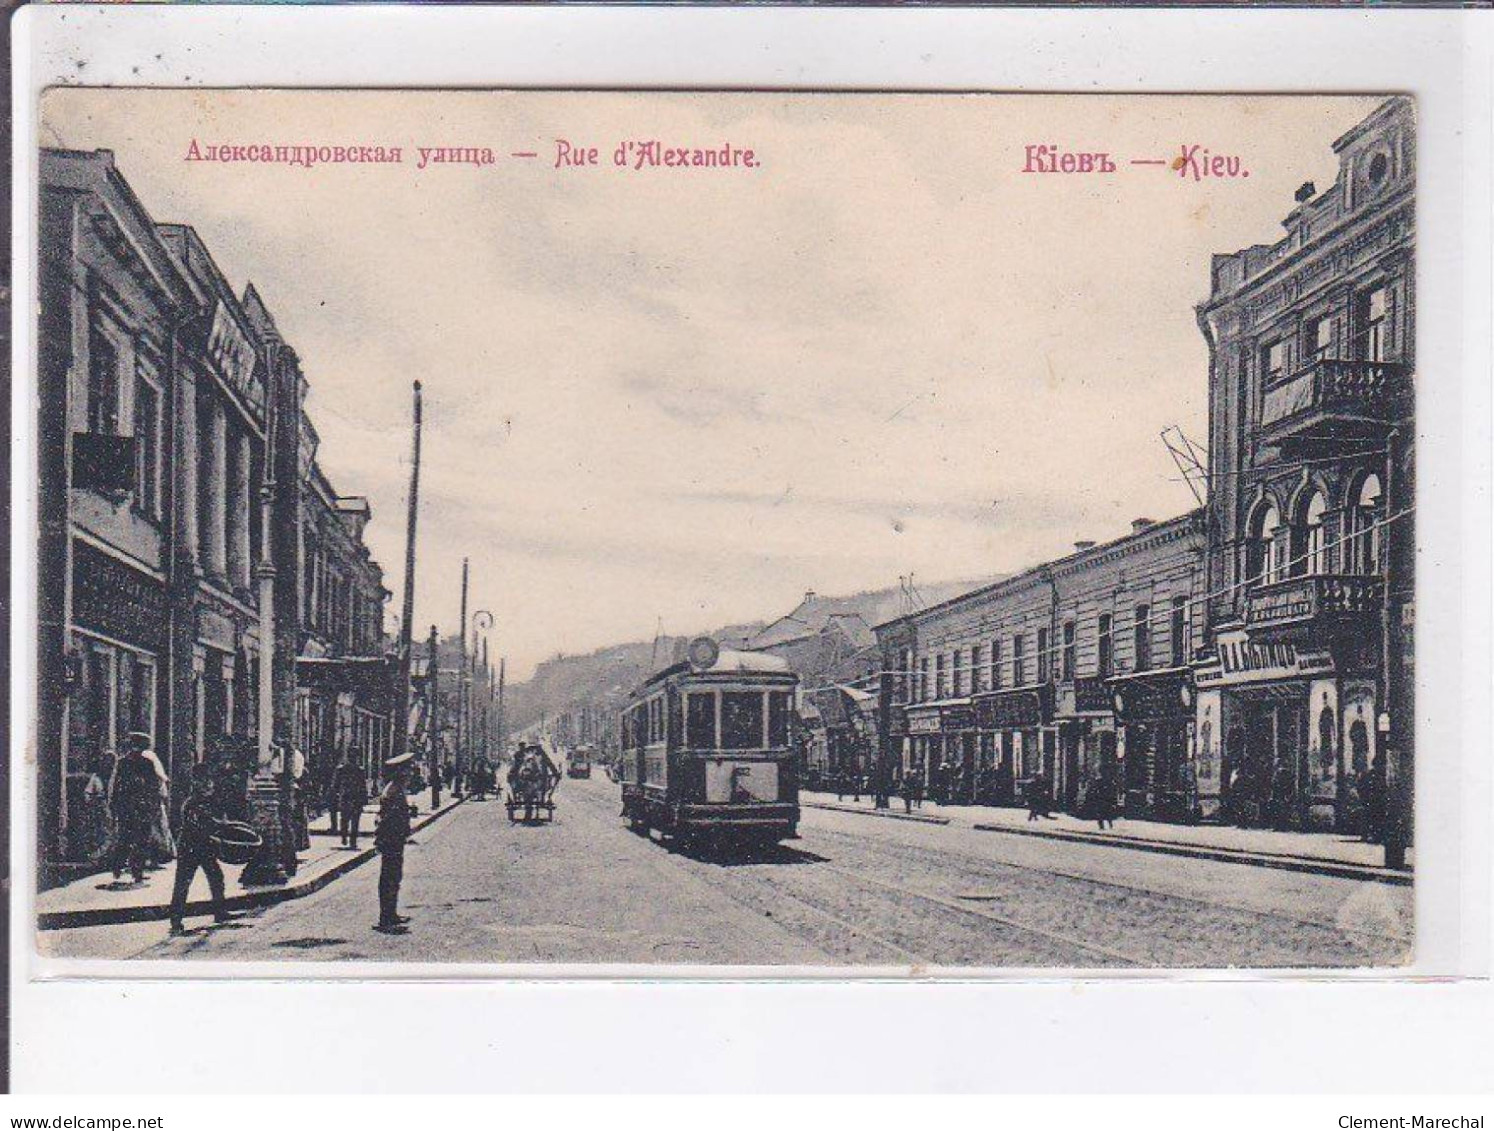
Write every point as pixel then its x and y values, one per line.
pixel 134 798
pixel 940 784
pixel 201 814
pixel 1104 797
pixel 162 843
pixel 349 796
pixel 389 838
pixel 1040 798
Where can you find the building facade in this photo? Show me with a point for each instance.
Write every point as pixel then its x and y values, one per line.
pixel 163 504
pixel 1304 711
pixel 1069 669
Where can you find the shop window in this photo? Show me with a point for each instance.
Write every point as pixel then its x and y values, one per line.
pixel 700 723
pixel 1106 650
pixel 1142 637
pixel 1070 652
pixel 741 720
pixel 1179 629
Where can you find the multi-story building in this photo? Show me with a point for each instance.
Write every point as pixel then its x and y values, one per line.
pixel 1304 709
pixel 1063 669
pixel 115 307
pixel 155 384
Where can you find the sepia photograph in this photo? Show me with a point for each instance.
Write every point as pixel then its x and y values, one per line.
pixel 858 533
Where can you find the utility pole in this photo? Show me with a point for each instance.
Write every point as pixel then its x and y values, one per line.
pixel 461 687
pixel 433 716
pixel 487 708
pixel 502 718
pixel 407 610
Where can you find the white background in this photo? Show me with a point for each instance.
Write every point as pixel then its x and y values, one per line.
pixel 1248 1033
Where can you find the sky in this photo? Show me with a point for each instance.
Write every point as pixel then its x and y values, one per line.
pixel 680 398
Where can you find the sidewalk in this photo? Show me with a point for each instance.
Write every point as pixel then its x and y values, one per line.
pixel 1329 854
pixel 98 899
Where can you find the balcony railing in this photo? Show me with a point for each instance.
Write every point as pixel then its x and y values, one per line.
pixel 1364 389
pixel 1300 600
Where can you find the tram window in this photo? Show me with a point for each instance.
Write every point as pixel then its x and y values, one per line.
pixel 741 720
pixel 700 722
pixel 778 718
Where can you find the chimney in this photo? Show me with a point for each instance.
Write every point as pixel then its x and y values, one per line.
pixel 1140 524
pixel 808 596
pixel 1087 544
pixel 1306 192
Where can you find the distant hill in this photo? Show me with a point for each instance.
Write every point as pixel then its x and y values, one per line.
pixel 600 681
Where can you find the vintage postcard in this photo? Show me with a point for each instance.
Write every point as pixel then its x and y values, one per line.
pixel 800 531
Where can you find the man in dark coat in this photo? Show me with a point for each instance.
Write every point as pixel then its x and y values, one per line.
pixel 134 798
pixel 349 796
pixel 389 838
pixel 194 850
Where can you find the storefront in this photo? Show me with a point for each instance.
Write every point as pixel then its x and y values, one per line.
pixel 1154 715
pixel 118 641
pixel 1016 742
pixel 1284 739
pixel 1084 726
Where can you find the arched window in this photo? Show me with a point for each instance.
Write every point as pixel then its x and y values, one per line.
pixel 1263 554
pixel 1314 544
pixel 1367 509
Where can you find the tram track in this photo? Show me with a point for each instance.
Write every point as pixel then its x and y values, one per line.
pixel 943 856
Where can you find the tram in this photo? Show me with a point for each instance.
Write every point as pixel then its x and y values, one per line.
pixel 707 748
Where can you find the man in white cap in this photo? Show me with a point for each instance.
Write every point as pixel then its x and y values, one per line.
pixel 389 839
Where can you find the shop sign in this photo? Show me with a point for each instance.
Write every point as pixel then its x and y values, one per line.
pixel 958 718
pixel 1026 708
pixel 1091 694
pixel 111 598
pixel 924 723
pixel 1154 699
pixel 233 354
pixel 1243 660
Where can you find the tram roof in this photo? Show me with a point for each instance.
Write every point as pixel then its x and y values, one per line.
pixel 728 662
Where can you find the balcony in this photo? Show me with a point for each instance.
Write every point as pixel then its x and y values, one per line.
pixel 1333 400
pixel 1313 600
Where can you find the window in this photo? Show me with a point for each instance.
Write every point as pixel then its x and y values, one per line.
pixel 1019 662
pixel 905 667
pixel 700 720
pixel 1262 552
pixel 939 676
pixel 1042 655
pixel 1374 326
pixel 1274 361
pixel 778 718
pixel 103 384
pixel 147 448
pixel 1106 661
pixel 1069 652
pixel 977 669
pixel 957 662
pixel 741 720
pixel 1142 633
pixel 995 665
pixel 1319 338
pixel 1179 631
pixel 923 678
pixel 1364 518
pixel 1314 544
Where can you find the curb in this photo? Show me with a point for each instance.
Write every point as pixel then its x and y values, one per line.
pixel 244 901
pixel 887 814
pixel 1224 855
